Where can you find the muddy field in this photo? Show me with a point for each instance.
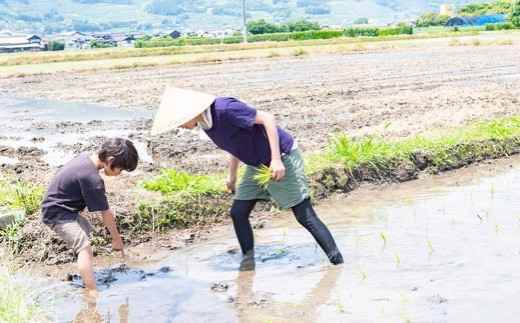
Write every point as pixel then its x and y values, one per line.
pixel 415 90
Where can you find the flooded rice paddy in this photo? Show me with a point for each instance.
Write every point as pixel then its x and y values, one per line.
pixel 442 249
pixel 56 131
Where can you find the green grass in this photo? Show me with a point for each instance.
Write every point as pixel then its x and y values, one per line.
pixel 17 194
pixel 23 296
pixel 439 144
pixel 175 181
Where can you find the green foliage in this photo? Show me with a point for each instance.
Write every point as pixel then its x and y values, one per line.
pixel 479 9
pixel 10 236
pixel 261 26
pixel 24 297
pixel 401 29
pixel 56 45
pixel 94 43
pixel 301 25
pixel 173 181
pixel 431 19
pixel 192 41
pixel 443 147
pixel 499 26
pixel 514 17
pixel 17 194
pixel 355 31
pixel 178 211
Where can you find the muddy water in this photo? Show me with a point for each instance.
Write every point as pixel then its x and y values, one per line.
pixel 450 252
pixel 59 130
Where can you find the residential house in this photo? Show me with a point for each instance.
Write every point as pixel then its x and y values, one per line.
pixel 21 43
pixel 215 32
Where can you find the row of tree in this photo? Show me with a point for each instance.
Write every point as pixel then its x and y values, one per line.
pixel 508 7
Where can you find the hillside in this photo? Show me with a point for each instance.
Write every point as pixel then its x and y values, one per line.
pixel 43 16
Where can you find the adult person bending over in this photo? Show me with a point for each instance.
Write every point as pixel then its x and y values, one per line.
pixel 250 136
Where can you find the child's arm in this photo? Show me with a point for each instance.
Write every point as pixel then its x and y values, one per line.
pixel 231 181
pixel 269 123
pixel 110 223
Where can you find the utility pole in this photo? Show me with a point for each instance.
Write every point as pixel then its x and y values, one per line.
pixel 244 29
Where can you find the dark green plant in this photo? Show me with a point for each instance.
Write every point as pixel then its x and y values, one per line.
pixel 56 45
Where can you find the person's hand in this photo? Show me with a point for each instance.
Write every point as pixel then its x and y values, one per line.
pixel 278 169
pixel 231 182
pixel 117 245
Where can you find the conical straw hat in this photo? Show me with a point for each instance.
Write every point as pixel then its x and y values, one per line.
pixel 179 106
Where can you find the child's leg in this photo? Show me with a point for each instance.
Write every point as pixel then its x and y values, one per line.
pixel 306 216
pixel 240 211
pixel 86 269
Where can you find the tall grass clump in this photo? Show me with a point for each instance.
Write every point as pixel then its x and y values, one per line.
pixel 175 181
pixel 443 146
pixel 17 194
pixel 23 296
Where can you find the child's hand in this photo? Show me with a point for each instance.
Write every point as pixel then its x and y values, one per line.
pixel 278 169
pixel 118 246
pixel 231 182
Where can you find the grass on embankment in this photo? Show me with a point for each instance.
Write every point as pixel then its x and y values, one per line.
pixel 23 296
pixel 342 167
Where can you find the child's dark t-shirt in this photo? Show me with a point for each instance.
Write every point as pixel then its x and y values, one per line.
pixel 74 186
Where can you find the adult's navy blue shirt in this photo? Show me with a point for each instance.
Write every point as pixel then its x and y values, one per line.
pixel 74 186
pixel 234 131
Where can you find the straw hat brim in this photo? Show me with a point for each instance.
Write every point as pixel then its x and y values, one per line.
pixel 179 106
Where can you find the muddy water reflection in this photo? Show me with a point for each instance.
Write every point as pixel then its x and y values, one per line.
pixel 450 253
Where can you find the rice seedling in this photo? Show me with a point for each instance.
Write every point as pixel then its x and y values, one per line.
pixel 263 176
pixel 361 271
pixel 282 250
pixel 383 236
pixel 406 318
pixel 409 197
pixel 452 220
pixel 397 259
pixel 518 218
pixel 429 244
pixel 486 213
pixel 496 226
pixel 340 305
pixel 404 298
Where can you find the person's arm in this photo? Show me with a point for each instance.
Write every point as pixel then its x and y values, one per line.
pixel 269 123
pixel 231 181
pixel 110 223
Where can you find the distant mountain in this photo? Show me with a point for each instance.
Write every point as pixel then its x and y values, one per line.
pixel 44 16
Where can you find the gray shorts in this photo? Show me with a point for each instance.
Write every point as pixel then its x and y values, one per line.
pixel 74 233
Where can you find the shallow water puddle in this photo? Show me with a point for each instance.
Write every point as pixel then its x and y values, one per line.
pixel 56 126
pixel 445 249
